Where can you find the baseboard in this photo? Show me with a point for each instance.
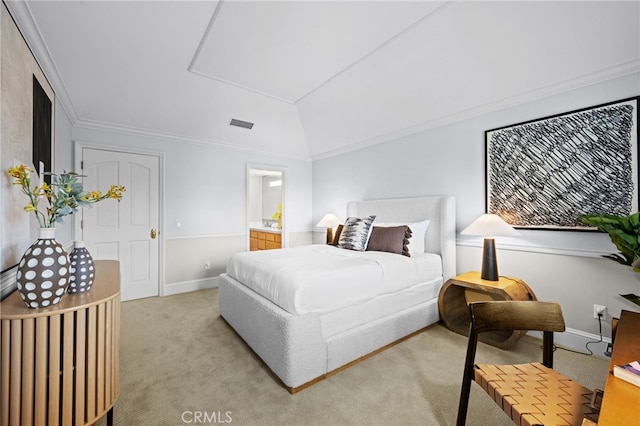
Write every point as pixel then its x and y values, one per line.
pixel 576 340
pixel 188 286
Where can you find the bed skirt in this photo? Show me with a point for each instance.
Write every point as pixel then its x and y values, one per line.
pixel 292 346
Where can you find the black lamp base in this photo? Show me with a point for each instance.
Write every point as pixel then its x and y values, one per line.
pixel 489 260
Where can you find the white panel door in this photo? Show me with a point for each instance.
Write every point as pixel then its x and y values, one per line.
pixel 128 230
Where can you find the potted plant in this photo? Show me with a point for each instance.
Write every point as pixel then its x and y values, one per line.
pixel 64 195
pixel 278 216
pixel 45 270
pixel 624 232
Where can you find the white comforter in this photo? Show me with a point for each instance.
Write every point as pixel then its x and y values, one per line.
pixel 322 278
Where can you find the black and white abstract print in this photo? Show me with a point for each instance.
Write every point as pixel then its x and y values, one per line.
pixel 355 233
pixel 548 173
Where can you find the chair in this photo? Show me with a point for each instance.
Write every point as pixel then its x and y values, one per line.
pixel 531 394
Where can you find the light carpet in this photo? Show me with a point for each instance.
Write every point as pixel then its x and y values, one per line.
pixel 181 364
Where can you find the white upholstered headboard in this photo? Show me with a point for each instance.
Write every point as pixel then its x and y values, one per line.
pixel 440 210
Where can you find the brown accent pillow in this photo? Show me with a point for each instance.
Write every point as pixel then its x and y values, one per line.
pixel 392 239
pixel 336 236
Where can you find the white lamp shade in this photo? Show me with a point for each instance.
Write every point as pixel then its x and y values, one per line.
pixel 490 225
pixel 329 221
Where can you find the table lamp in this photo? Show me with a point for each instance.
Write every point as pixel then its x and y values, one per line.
pixel 329 221
pixel 489 226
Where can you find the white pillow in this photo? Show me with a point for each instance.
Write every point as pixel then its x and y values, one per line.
pixel 418 232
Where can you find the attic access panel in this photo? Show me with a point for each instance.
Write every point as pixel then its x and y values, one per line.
pixel 547 173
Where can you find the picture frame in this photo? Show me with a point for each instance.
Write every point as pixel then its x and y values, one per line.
pixel 548 172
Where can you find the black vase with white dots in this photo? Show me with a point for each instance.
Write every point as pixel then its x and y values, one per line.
pixel 81 268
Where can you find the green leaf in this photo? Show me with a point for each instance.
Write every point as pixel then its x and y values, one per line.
pixel 624 232
pixel 621 260
pixel 633 298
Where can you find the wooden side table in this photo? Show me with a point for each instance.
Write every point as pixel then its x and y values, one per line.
pixel 60 364
pixel 457 292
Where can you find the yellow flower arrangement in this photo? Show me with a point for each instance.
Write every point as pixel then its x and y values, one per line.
pixel 64 195
pixel 278 214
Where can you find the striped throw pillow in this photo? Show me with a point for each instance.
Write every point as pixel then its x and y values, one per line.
pixel 355 233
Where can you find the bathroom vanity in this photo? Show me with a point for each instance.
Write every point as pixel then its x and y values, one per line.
pixel 265 238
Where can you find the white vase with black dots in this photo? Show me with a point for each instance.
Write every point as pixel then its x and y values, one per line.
pixel 82 269
pixel 43 272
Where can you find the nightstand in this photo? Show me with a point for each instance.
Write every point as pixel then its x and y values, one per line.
pixel 457 292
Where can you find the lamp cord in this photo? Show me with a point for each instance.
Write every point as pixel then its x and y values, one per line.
pixel 600 332
pixel 587 344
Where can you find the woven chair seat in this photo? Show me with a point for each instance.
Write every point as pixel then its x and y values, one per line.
pixel 532 394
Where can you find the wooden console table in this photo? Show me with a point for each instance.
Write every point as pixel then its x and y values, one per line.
pixel 459 291
pixel 60 364
pixel 621 399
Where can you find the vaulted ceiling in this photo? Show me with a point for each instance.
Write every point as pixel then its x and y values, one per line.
pixel 318 77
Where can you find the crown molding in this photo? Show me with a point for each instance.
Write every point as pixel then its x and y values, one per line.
pixel 613 72
pixel 175 138
pixel 25 21
pixel 33 37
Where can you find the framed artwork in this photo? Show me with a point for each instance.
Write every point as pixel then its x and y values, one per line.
pixel 42 137
pixel 547 173
pixel 27 137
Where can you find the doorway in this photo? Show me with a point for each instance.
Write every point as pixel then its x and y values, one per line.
pixel 266 201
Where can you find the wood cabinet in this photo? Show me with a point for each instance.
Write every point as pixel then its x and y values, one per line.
pixel 60 364
pixel 263 240
pixel 457 292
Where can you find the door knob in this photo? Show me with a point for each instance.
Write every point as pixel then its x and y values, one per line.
pixel 154 234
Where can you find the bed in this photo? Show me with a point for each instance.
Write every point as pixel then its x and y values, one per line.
pixel 301 332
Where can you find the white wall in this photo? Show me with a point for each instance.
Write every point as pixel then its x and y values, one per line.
pixel 18 70
pixel 558 265
pixel 205 187
pixel 63 161
pixel 254 210
pixel 271 197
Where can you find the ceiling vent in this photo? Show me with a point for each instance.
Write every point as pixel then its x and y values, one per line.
pixel 240 123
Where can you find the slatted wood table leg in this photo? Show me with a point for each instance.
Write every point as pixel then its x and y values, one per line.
pixel 5 372
pixel 42 333
pixel 28 359
pixel 101 368
pixel 55 331
pixel 81 370
pixel 108 351
pixel 92 322
pixel 16 369
pixel 67 369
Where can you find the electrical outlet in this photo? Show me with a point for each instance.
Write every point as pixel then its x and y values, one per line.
pixel 599 310
pixel 207 265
